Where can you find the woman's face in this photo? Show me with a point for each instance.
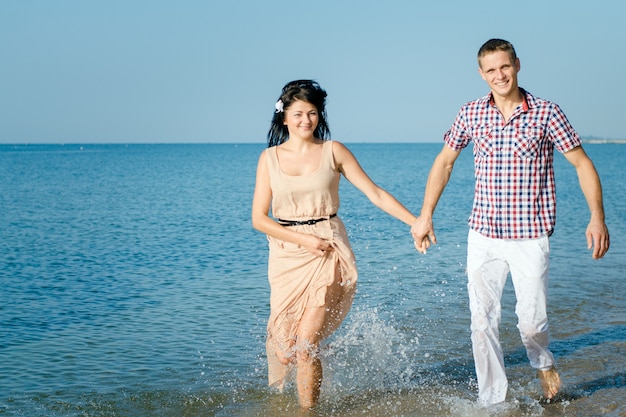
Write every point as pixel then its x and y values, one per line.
pixel 301 119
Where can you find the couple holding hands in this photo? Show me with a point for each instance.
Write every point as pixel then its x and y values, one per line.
pixel 311 266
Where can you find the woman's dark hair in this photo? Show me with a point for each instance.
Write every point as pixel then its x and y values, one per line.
pixel 304 90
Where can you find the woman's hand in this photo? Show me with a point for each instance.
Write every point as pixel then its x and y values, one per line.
pixel 316 245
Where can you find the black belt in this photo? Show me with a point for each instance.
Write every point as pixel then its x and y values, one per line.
pixel 302 222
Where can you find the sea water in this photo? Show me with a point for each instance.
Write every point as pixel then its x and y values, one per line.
pixel 132 284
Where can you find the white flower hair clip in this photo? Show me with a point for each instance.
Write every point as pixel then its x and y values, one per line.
pixel 279 106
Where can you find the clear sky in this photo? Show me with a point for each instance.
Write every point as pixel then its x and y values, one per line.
pixel 210 71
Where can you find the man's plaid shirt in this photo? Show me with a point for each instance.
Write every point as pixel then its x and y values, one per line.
pixel 514 195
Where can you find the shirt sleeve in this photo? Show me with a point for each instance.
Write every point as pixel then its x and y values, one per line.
pixel 562 134
pixel 457 137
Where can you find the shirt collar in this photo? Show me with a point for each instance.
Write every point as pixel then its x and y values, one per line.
pixel 526 99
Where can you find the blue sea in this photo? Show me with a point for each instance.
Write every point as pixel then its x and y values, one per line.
pixel 132 284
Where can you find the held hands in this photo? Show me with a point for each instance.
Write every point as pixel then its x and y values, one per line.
pixel 597 238
pixel 423 234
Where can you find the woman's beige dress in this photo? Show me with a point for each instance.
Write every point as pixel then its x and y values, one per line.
pixel 298 279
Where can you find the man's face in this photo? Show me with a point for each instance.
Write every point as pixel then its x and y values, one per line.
pixel 500 73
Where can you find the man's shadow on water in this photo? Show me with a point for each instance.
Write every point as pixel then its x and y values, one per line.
pixel 455 370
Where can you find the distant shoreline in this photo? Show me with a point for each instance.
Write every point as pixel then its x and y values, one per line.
pixel 604 141
pixel 591 141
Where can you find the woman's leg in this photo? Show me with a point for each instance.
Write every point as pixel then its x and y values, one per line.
pixel 309 365
pixel 313 326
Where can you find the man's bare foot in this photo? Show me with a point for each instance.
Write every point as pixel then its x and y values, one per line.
pixel 550 382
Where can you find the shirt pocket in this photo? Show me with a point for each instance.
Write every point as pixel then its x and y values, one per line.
pixel 483 140
pixel 529 141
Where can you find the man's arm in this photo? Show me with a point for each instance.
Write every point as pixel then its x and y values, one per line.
pixel 597 233
pixel 422 230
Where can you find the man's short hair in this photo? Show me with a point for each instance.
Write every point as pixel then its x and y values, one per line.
pixel 494 45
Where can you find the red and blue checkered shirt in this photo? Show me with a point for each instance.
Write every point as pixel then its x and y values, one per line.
pixel 514 195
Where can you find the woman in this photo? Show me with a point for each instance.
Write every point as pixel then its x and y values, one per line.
pixel 311 270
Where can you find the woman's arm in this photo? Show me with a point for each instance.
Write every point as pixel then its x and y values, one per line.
pixel 351 169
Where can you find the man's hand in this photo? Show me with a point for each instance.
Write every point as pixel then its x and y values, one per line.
pixel 597 238
pixel 423 233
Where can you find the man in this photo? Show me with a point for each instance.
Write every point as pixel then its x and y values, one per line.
pixel 514 135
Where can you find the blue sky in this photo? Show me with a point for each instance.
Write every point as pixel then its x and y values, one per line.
pixel 146 71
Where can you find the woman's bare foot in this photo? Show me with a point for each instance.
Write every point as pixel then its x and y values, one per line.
pixel 550 382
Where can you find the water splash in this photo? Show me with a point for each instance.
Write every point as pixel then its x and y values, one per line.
pixel 368 353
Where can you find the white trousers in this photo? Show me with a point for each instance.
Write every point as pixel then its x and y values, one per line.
pixel 488 263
